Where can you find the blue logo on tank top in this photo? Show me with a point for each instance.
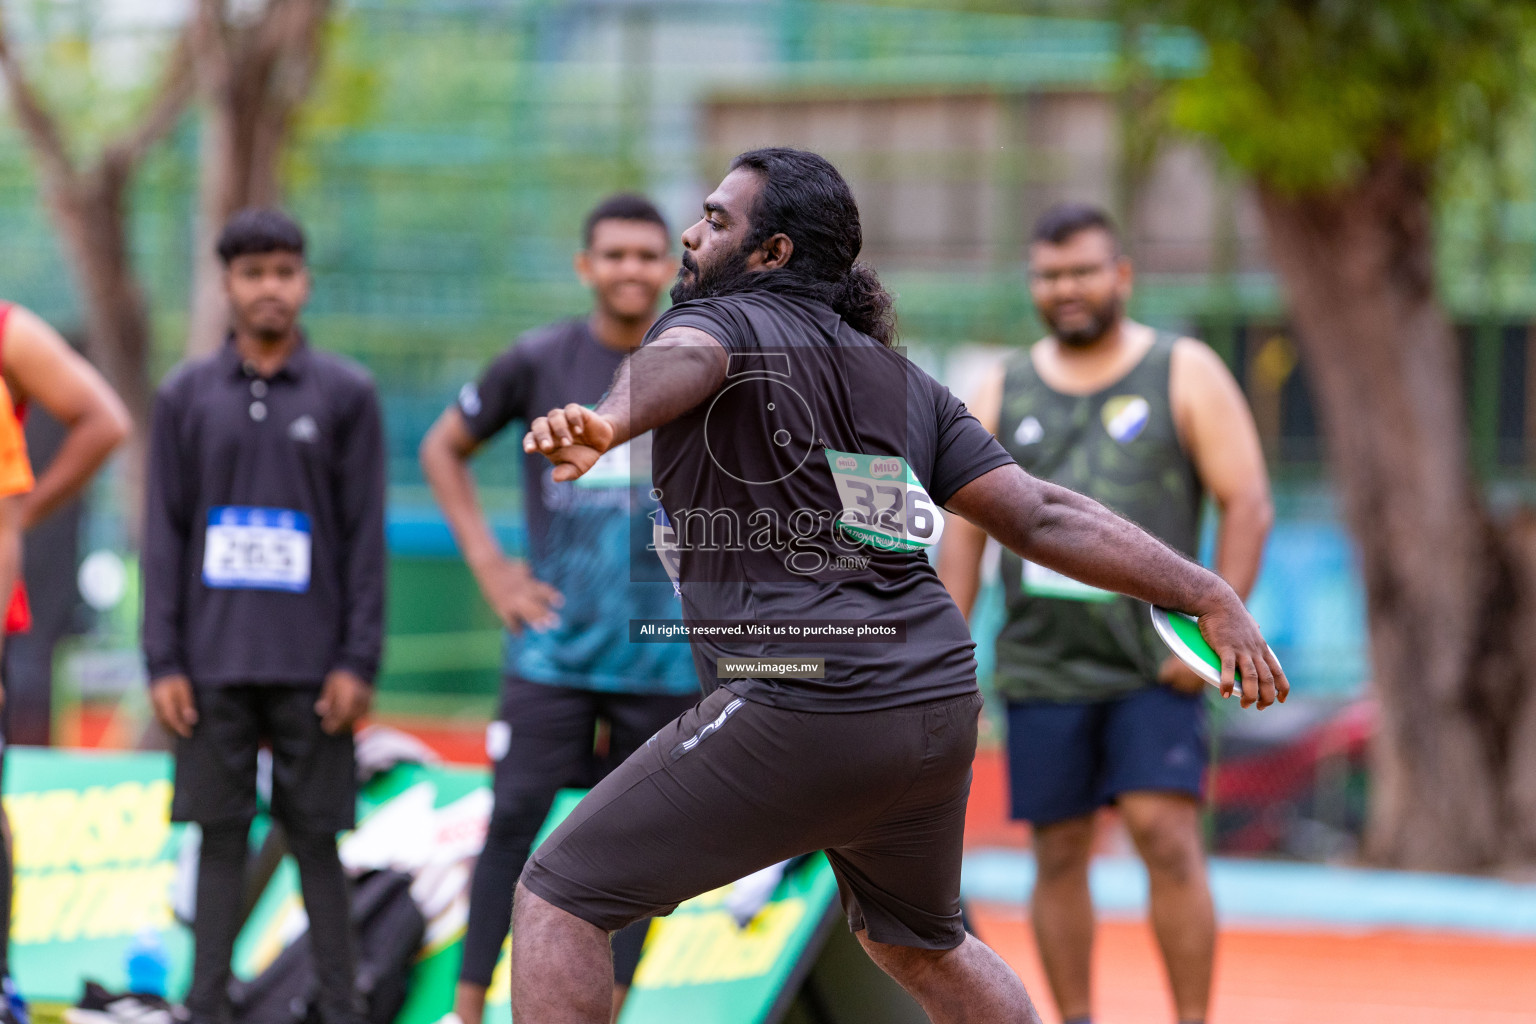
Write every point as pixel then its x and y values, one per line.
pixel 1125 417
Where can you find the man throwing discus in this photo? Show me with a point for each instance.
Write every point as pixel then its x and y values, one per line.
pixel 805 466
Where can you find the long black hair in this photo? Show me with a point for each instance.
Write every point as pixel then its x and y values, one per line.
pixel 803 196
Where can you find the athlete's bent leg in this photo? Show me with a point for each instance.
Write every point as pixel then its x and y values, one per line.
pixel 731 787
pixel 1062 911
pixel 969 984
pixel 1166 830
pixel 562 967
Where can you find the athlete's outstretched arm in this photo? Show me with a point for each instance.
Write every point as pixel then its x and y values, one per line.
pixel 654 386
pixel 1075 535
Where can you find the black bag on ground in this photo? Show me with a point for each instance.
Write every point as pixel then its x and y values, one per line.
pixel 389 930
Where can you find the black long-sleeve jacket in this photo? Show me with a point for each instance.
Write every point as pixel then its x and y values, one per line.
pixel 264 549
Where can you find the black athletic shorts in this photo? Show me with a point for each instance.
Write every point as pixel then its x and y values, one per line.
pixel 734 786
pixel 314 774
pixel 541 741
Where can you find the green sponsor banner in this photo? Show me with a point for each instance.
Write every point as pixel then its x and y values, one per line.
pixel 700 966
pixel 95 859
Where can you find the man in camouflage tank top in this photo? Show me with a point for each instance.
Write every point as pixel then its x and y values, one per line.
pixel 1148 424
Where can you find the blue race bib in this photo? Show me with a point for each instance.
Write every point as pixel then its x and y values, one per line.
pixel 257 549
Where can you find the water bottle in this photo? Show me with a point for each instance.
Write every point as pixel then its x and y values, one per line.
pixel 20 1013
pixel 148 964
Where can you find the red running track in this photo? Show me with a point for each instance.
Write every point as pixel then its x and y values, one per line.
pixel 1295 977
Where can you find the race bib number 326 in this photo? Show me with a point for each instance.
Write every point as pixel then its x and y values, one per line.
pixel 257 549
pixel 884 505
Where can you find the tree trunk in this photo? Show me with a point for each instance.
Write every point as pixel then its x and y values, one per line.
pixel 253 78
pixel 1448 591
pixel 91 215
pixel 92 220
pixel 89 210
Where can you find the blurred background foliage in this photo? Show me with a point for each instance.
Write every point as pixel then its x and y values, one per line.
pixel 444 160
pixel 450 148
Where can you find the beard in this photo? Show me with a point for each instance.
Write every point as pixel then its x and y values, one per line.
pixel 269 328
pixel 726 275
pixel 1101 318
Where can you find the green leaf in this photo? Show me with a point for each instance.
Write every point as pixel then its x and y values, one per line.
pixel 1305 94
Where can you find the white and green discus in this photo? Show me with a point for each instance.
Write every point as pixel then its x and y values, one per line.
pixel 1182 635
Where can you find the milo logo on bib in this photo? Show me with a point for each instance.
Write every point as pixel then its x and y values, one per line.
pixel 884 505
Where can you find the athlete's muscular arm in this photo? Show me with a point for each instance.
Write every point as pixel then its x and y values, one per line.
pixel 1075 535
pixel 41 367
pixel 961 549
pixel 509 587
pixel 654 386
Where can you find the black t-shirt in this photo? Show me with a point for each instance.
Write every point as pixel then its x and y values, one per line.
pixel 586 538
pixel 547 368
pixel 805 491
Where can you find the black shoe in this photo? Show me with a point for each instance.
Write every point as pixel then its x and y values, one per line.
pixel 99 1006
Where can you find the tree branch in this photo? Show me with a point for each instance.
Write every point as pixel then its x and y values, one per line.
pixel 271 66
pixel 175 91
pixel 119 156
pixel 37 121
pixel 210 49
pixel 279 59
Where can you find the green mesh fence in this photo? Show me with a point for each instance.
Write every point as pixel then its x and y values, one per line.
pixel 451 148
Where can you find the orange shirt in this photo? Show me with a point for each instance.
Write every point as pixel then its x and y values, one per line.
pixel 15 478
pixel 15 469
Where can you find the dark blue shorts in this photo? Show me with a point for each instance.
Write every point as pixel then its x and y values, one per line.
pixel 1066 760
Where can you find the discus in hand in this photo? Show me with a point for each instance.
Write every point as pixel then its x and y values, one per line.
pixel 1182 635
